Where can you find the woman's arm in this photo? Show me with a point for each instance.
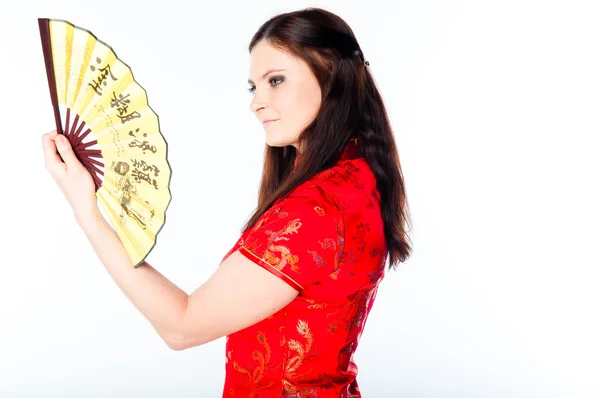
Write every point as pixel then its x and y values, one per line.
pixel 236 296
pixel 155 296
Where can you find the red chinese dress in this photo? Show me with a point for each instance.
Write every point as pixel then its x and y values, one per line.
pixel 326 240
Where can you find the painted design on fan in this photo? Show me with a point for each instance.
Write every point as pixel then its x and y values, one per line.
pixel 117 142
pixel 140 211
pixel 143 145
pixel 101 79
pixel 122 103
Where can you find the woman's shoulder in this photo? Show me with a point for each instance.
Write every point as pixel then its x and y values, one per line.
pixel 349 183
pixel 347 187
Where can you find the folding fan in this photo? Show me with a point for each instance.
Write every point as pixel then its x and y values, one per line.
pixel 113 131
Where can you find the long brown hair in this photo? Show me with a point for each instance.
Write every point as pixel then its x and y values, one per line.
pixel 351 106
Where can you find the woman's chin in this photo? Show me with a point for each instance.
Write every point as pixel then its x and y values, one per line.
pixel 277 141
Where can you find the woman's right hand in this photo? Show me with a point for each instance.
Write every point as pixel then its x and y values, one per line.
pixel 73 179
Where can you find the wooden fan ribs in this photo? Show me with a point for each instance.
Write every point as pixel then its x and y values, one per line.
pixel 83 154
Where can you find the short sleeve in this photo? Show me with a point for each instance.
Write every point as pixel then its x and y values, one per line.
pixel 297 239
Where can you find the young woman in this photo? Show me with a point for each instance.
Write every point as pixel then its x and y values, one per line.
pixel 293 294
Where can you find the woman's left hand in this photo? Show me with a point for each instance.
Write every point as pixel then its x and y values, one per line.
pixel 73 179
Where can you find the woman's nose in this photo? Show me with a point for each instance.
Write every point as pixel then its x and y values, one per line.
pixel 255 106
pixel 259 101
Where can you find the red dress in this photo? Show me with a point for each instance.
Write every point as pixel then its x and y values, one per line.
pixel 326 240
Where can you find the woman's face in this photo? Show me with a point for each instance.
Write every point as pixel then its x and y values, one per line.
pixel 285 90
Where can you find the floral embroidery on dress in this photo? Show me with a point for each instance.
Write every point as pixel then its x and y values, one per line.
pixel 254 376
pixel 359 237
pixel 285 257
pixel 320 211
pixel 301 353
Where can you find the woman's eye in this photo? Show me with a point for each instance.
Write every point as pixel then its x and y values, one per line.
pixel 275 79
pixel 280 79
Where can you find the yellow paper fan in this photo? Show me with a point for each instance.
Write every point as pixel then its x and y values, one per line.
pixel 113 131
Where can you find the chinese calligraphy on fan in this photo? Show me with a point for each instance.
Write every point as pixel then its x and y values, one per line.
pixel 142 175
pixel 120 101
pixel 101 79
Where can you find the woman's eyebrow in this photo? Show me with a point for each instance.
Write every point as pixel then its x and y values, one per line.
pixel 266 73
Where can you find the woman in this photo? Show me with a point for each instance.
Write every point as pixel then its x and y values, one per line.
pixel 293 294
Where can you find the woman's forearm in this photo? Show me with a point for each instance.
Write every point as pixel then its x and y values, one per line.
pixel 158 299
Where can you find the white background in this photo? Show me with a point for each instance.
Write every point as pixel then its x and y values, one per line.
pixel 495 106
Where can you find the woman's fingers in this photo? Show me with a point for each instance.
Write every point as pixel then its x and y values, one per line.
pixel 51 157
pixel 66 151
